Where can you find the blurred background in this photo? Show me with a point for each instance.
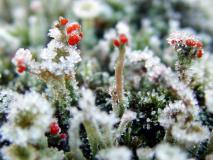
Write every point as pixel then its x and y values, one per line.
pixel 25 24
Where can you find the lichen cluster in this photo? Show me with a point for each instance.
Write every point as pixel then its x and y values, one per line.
pixel 106 80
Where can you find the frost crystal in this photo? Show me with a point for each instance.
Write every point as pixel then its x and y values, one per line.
pixel 22 56
pixel 98 124
pixel 187 47
pixel 52 62
pixel 183 113
pixel 55 33
pixel 168 152
pixel 47 54
pixel 87 9
pixel 115 154
pixel 201 70
pixel 172 113
pixel 123 28
pixel 179 37
pixel 29 113
pixel 158 71
pixel 193 133
pixel 58 59
pixel 87 104
pixel 22 59
pixel 128 116
pixel 145 153
pixel 6 97
pixel 209 99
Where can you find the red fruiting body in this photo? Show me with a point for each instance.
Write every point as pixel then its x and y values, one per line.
pixel 199 53
pixel 63 135
pixel 54 128
pixel 21 68
pixel 73 27
pixel 116 43
pixel 76 26
pixel 63 21
pixel 199 44
pixel 123 39
pixel 173 42
pixel 190 42
pixel 74 39
pixel 180 41
pixel 69 29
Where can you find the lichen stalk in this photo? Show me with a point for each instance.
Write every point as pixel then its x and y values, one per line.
pixel 94 136
pixel 119 69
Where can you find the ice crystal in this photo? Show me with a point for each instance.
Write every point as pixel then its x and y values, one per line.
pixel 98 124
pixel 158 71
pixel 170 80
pixel 188 47
pixel 47 54
pixel 6 97
pixel 128 116
pixel 201 70
pixel 29 113
pixel 145 153
pixel 168 152
pixel 22 59
pixel 22 56
pixel 172 113
pixel 30 153
pixel 87 9
pixel 124 101
pixel 87 104
pixel 58 59
pixel 115 154
pixel 191 133
pixel 179 37
pixel 55 33
pixel 209 99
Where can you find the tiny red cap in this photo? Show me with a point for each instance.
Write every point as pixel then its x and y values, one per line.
pixel 116 43
pixel 63 21
pixel 74 39
pixel 199 44
pixel 190 42
pixel 173 42
pixel 73 27
pixel 123 39
pixel 21 68
pixel 199 53
pixel 54 128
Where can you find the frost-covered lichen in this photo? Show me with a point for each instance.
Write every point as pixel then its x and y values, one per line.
pixel 118 80
pixel 28 119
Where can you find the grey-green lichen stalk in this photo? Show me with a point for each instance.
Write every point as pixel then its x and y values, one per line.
pixel 119 69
